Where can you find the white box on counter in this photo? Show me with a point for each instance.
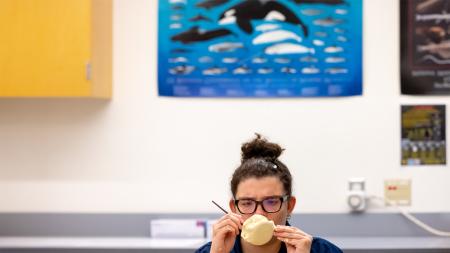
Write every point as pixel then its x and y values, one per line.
pixel 178 228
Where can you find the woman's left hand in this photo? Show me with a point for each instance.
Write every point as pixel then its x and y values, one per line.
pixel 296 240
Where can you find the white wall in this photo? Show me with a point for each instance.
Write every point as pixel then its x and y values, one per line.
pixel 143 153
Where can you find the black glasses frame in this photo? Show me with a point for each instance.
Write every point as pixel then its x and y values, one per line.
pixel 283 199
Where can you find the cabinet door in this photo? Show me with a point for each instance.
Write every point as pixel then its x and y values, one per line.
pixel 45 47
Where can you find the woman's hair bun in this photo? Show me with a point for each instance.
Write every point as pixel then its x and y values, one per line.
pixel 259 147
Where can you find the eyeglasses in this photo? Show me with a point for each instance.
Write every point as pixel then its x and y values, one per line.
pixel 269 205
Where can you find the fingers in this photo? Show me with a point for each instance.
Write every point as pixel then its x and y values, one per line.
pixel 293 236
pixel 225 231
pixel 289 236
pixel 230 223
pixel 287 229
pixel 234 217
pixel 227 226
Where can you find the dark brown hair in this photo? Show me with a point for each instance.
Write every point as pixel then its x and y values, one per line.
pixel 260 159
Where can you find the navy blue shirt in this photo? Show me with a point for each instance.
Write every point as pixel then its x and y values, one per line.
pixel 318 245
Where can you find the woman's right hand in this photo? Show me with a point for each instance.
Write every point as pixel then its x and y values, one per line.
pixel 225 231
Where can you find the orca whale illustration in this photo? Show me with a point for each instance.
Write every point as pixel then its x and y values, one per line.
pixel 208 4
pixel 195 34
pixel 243 13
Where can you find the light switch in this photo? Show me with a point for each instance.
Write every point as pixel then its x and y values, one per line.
pixel 397 191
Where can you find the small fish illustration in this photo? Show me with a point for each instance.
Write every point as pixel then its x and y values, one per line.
pixel 282 60
pixel 225 47
pixel 288 48
pixel 177 1
pixel 181 70
pixel 333 49
pixel 178 7
pixel 178 60
pixel 335 71
pixel 214 71
pixel 242 70
pixel 180 50
pixel 321 34
pixel 334 59
pixel 339 30
pixel 259 60
pixel 311 12
pixel 176 17
pixel 209 4
pixel 310 70
pixel 288 70
pixel 205 59
pixel 265 70
pixel 230 60
pixel 318 43
pixel 308 59
pixel 176 26
pixel 327 22
pixel 275 36
pixel 341 11
pixel 341 38
pixel 199 17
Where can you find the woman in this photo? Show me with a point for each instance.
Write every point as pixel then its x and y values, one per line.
pixel 262 184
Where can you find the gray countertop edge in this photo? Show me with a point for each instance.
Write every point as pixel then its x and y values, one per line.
pixel 346 243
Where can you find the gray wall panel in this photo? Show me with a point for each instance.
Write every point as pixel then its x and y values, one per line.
pixel 138 225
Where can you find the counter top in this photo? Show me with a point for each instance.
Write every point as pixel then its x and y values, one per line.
pixel 346 243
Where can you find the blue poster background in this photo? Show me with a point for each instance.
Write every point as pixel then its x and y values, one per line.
pixel 229 48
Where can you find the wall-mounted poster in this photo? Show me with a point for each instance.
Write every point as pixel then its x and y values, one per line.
pixel 423 134
pixel 260 48
pixel 425 47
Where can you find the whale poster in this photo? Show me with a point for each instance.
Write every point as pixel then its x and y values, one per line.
pixel 423 135
pixel 260 48
pixel 425 47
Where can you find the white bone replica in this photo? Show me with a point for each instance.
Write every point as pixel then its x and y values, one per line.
pixel 257 230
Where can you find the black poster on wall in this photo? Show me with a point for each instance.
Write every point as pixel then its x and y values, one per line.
pixel 425 47
pixel 423 135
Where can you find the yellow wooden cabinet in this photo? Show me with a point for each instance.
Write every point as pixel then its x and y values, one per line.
pixel 56 48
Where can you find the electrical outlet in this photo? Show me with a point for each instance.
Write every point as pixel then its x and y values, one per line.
pixel 397 191
pixel 356 196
